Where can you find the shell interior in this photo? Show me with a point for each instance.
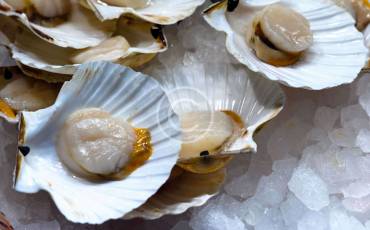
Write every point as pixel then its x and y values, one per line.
pixel 123 93
pixel 214 87
pixel 335 58
pixel 182 191
pixel 163 12
pixel 29 50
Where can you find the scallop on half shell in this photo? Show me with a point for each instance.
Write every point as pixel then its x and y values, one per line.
pixel 335 57
pixel 210 94
pixel 162 12
pixel 19 92
pixel 107 144
pixel 77 28
pixel 360 10
pixel 134 43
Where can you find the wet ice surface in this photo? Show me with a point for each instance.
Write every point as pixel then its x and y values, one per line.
pixel 311 171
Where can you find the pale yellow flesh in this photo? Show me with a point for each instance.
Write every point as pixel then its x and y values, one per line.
pixel 92 142
pixel 45 8
pixel 111 49
pixel 28 94
pixel 204 131
pixel 51 8
pixel 288 30
pixel 19 4
pixel 128 3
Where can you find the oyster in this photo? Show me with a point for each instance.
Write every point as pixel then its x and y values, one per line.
pixel 323 65
pixel 133 44
pixel 162 12
pixel 95 114
pixel 21 93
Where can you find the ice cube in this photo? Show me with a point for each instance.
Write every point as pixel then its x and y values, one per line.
pixel 212 217
pixel 313 220
pixel 343 137
pixel 364 101
pixel 292 209
pixel 271 189
pixel 360 205
pixel 252 211
pixel 273 220
pixel 357 189
pixel 325 117
pixel 362 140
pixel 285 166
pixel 309 188
pixel 340 220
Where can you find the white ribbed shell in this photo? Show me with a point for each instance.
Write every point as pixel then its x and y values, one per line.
pixel 222 88
pixel 163 12
pixel 336 56
pixel 37 53
pixel 124 93
pixel 81 30
pixel 177 196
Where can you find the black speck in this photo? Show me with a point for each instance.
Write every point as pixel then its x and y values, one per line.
pixel 8 74
pixel 204 154
pixel 24 150
pixel 232 4
pixel 156 31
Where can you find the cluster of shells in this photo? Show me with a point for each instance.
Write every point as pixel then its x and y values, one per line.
pixel 108 142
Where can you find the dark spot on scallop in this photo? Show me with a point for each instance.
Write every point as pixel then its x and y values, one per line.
pixel 264 39
pixel 25 150
pixel 8 74
pixel 232 4
pixel 156 31
pixel 204 153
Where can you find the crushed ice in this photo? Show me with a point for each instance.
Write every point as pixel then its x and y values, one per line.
pixel 311 171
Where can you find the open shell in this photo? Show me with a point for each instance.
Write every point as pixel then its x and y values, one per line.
pixel 122 92
pixel 33 52
pixel 162 12
pixel 19 92
pixel 80 30
pixel 178 194
pixel 214 87
pixel 336 57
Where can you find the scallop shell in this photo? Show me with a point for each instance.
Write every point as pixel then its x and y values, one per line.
pixel 43 99
pixel 213 87
pixel 31 51
pixel 162 12
pixel 122 92
pixel 81 30
pixel 336 57
pixel 179 194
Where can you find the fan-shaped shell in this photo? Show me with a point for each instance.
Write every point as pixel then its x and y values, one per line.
pixel 33 52
pixel 162 12
pixel 336 57
pixel 182 191
pixel 213 87
pixel 124 93
pixel 80 30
